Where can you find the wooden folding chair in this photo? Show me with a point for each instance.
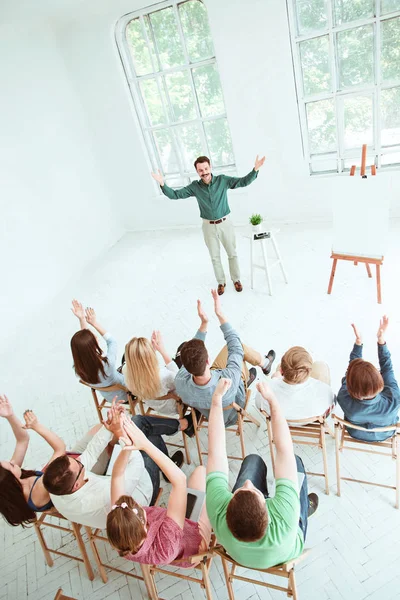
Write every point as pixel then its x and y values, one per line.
pixel 61 596
pixel 181 410
pixel 285 570
pixel 243 417
pixel 95 535
pixel 307 432
pixel 105 404
pixel 44 521
pixel 202 567
pixel 390 449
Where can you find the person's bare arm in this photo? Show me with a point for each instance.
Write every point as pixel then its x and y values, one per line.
pixel 55 442
pixel 217 458
pixel 217 307
pixel 176 508
pixel 118 475
pixel 79 312
pixel 91 318
pixel 157 343
pixel 203 318
pixel 285 461
pixel 21 436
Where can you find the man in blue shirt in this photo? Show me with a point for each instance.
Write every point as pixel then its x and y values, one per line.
pixel 210 192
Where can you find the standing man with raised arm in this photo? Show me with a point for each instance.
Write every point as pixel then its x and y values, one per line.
pixel 210 192
pixel 257 531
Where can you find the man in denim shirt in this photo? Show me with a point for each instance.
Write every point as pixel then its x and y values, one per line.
pixel 370 398
pixel 196 380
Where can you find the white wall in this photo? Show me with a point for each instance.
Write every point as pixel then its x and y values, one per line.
pixel 254 57
pixel 55 214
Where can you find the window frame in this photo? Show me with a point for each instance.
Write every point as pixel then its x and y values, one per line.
pixel 142 117
pixel 377 150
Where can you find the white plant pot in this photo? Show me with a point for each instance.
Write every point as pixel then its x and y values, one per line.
pixel 257 228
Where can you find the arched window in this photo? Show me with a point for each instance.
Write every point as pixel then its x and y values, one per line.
pixel 347 67
pixel 169 61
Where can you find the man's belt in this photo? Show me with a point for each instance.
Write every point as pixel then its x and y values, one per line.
pixel 217 222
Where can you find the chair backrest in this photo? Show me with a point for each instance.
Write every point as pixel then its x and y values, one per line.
pixel 110 388
pixel 220 550
pixel 307 421
pixel 343 423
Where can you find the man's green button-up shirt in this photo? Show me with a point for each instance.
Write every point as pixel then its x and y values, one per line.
pixel 212 198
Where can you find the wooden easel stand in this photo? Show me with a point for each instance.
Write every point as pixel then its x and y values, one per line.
pixel 378 262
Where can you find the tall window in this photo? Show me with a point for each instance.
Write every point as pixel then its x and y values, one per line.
pixel 346 56
pixel 169 60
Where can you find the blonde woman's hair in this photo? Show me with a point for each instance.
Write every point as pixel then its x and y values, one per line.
pixel 142 374
pixel 126 526
pixel 296 365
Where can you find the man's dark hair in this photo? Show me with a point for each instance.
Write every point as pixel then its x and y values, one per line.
pixel 201 159
pixel 58 479
pixel 194 357
pixel 246 517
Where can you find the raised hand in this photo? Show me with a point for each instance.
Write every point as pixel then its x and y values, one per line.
pixel 266 392
pixel 217 302
pixel 114 419
pixel 259 162
pixel 6 410
pixel 138 441
pixel 383 325
pixel 90 315
pixel 201 313
pixel 223 386
pixel 31 420
pixel 157 341
pixel 357 334
pixel 158 177
pixel 78 309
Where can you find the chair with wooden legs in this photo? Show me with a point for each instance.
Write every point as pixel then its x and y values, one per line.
pixel 202 568
pixel 285 570
pixel 105 404
pixel 307 432
pixel 61 596
pixel 95 535
pixel 243 417
pixel 389 448
pixel 181 411
pixel 44 520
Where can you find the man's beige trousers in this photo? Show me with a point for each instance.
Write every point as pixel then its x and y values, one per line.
pixel 223 233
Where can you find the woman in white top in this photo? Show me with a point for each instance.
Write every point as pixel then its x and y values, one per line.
pixel 301 386
pixel 146 379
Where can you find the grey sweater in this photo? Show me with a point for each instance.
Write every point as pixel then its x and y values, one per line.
pixel 200 396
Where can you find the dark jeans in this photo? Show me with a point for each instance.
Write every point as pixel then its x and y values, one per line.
pixel 254 468
pixel 154 428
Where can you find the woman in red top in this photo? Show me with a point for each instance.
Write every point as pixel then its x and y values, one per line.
pixel 155 535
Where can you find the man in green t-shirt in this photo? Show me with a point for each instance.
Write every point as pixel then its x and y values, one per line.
pixel 210 192
pixel 255 530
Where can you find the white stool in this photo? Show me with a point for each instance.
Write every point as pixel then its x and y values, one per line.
pixel 262 242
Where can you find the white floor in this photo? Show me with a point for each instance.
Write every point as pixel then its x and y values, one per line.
pixel 152 280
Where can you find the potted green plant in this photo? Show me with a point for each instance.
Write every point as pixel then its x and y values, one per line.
pixel 255 221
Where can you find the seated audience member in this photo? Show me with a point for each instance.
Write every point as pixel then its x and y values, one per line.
pixel 155 535
pixel 90 364
pixel 78 486
pixel 145 378
pixel 197 379
pixel 22 493
pixel 301 386
pixel 255 530
pixel 370 398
